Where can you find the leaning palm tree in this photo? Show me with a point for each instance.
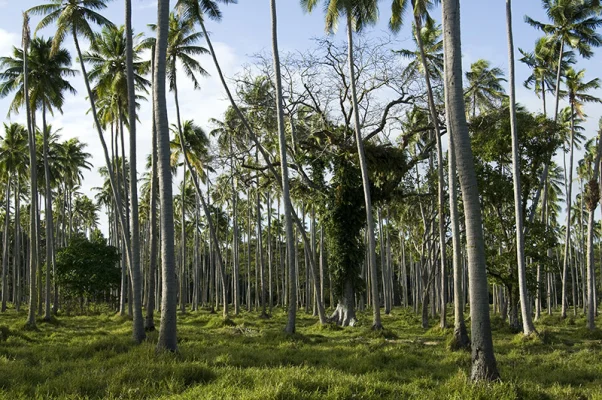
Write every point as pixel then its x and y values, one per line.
pixel 484 91
pixel 483 360
pixel 359 14
pixel 577 90
pixel 528 327
pixel 74 16
pixel 420 11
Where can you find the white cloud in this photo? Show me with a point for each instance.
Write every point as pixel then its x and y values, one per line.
pixel 7 40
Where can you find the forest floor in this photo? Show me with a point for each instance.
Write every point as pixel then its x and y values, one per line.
pixel 251 358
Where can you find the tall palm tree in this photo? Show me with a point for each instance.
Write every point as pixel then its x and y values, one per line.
pixel 167 330
pixel 135 269
pixel 528 326
pixel 483 360
pixel 358 14
pixel 48 72
pixel 484 90
pixel 74 17
pixel 577 90
pixel 420 11
pixel 110 62
pixel 573 24
pixel 33 216
pixel 592 198
pixel 181 49
pixel 12 162
pixel 288 207
pixel 430 36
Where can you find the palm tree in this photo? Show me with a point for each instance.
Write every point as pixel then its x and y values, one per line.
pixel 485 90
pixel 430 36
pixel 577 90
pixel 48 71
pixel 110 71
pixel 528 326
pixel 359 14
pixel 573 24
pixel 420 11
pixel 167 330
pixel 34 238
pixel 12 164
pixel 181 49
pixel 483 360
pixel 592 197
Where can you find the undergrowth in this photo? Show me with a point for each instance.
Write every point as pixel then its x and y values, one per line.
pixel 247 357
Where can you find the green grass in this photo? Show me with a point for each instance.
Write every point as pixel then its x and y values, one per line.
pixel 247 357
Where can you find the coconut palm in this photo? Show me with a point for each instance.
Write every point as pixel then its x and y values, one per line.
pixel 572 24
pixel 485 90
pixel 167 330
pixel 430 36
pixel 483 360
pixel 12 164
pixel 48 72
pixel 359 14
pixel 528 326
pixel 577 89
pixel 74 17
pixel 420 12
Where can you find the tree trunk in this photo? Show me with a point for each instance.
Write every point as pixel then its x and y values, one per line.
pixel 5 246
pixel 288 223
pixel 483 360
pixel 167 330
pixel 567 236
pixel 138 322
pixel 376 322
pixel 528 327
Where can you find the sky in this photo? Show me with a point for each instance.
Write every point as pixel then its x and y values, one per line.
pixel 245 30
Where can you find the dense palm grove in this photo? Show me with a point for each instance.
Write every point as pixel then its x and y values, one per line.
pixel 355 176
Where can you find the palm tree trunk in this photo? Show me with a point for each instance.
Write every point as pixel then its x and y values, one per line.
pixel 376 322
pixel 135 274
pixel 440 181
pixel 483 360
pixel 167 330
pixel 528 326
pixel 286 197
pixel 567 236
pixel 149 321
pixel 461 340
pixel 49 220
pixel 33 179
pixel 5 246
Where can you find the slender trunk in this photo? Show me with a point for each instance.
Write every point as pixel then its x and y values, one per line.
pixel 149 321
pixel 483 360
pixel 33 179
pixel 286 197
pixel 528 326
pixel 5 246
pixel 48 215
pixel 167 330
pixel 567 236
pixel 440 180
pixel 376 322
pixel 138 322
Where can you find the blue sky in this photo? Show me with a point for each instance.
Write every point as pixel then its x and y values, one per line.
pixel 245 30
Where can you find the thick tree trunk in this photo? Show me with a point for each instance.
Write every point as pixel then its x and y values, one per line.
pixel 344 314
pixel 567 236
pixel 483 360
pixel 167 330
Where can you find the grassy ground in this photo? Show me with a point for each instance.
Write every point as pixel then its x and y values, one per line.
pixel 249 358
